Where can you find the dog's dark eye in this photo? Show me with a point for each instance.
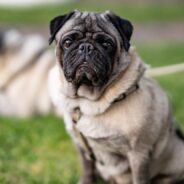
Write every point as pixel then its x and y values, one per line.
pixel 66 44
pixel 106 44
pixel 104 41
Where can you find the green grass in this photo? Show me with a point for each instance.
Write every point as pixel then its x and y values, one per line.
pixel 162 54
pixel 139 13
pixel 36 150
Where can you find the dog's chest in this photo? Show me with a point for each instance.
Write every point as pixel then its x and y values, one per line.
pixel 109 146
pixel 105 133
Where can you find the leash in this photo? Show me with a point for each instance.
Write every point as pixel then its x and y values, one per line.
pixel 76 115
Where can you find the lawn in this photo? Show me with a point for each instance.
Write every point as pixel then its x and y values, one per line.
pixel 161 54
pixel 37 150
pixel 138 13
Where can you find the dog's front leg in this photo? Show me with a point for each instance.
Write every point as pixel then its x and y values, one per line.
pixel 87 168
pixel 139 163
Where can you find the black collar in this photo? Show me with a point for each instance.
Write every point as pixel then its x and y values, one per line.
pixel 122 96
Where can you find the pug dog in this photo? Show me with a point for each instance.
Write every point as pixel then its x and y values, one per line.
pixel 120 121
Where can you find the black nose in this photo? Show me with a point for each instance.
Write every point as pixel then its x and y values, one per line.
pixel 86 48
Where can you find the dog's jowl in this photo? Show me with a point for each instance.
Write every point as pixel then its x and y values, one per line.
pixel 120 121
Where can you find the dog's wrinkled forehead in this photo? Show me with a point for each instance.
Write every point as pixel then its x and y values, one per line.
pixel 92 22
pixel 86 22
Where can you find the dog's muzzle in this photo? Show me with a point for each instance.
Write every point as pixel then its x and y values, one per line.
pixel 86 48
pixel 85 74
pixel 86 65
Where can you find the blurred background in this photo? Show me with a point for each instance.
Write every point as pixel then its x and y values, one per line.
pixel 34 147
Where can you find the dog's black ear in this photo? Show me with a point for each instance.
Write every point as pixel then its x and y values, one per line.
pixel 123 26
pixel 57 23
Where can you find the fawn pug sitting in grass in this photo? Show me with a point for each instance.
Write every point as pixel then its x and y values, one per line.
pixel 120 121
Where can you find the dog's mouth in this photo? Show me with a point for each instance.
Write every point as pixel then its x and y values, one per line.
pixel 90 71
pixel 85 75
